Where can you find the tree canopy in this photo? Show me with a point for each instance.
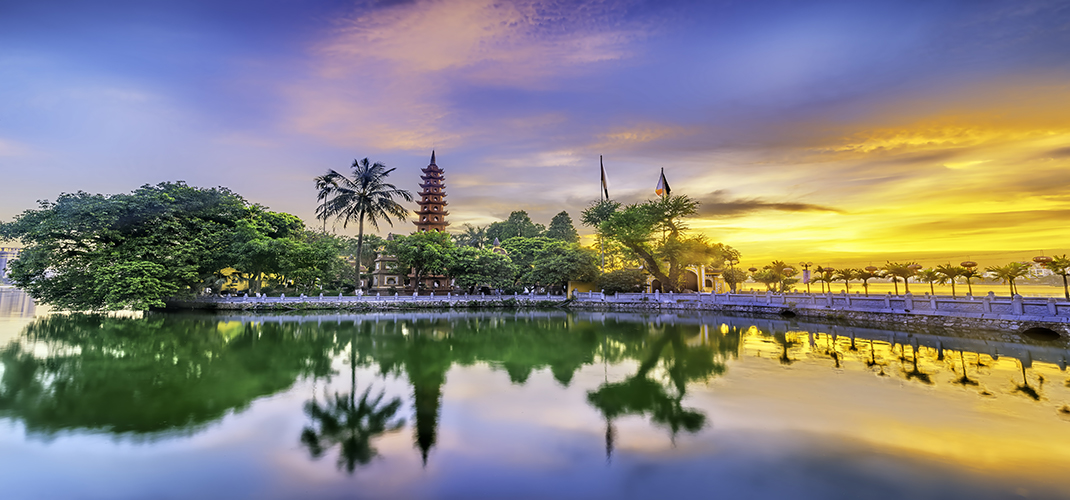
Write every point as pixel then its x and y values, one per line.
pixel 655 231
pixel 92 251
pixel 561 228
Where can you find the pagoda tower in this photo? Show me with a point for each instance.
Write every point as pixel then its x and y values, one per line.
pixel 432 199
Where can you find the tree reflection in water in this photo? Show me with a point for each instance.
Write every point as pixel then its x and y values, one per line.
pixel 351 424
pixel 166 374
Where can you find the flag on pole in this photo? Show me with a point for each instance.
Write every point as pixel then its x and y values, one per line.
pixel 605 184
pixel 663 185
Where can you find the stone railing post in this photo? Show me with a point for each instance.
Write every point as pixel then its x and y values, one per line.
pixel 986 303
pixel 1016 305
pixel 932 302
pixel 828 299
pixel 1052 309
pixel 888 301
pixel 847 298
pixel 908 299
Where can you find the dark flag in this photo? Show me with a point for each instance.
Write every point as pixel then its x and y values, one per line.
pixel 605 184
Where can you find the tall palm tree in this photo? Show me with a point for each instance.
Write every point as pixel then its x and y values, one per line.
pixel 969 273
pixel 896 270
pixel 846 275
pixel 1009 273
pixel 931 276
pixel 865 275
pixel 1061 267
pixel 366 196
pixel 950 273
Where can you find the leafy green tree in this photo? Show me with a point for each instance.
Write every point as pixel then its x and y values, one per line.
pixel 556 265
pixel 472 267
pixel 262 245
pixel 950 274
pixel 523 251
pixel 426 253
pixel 621 281
pixel 897 271
pixel 931 276
pixel 1008 273
pixel 135 250
pixel 561 228
pixel 315 260
pixel 1060 265
pixel 767 277
pixel 655 232
pixel 366 196
pixel 518 224
pixel 733 277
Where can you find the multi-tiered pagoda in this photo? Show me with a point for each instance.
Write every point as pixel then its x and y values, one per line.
pixel 432 213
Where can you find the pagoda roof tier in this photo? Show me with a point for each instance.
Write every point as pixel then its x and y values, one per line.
pixel 432 177
pixel 440 186
pixel 443 213
pixel 433 194
pixel 425 203
pixel 433 225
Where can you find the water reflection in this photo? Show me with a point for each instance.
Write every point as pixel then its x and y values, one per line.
pixel 148 377
pixel 167 375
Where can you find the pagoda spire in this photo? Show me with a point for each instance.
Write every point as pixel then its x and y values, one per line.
pixel 432 199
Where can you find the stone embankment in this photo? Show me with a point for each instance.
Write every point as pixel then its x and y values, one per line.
pixel 368 302
pixel 1013 319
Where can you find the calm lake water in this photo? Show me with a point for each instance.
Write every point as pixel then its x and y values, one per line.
pixel 519 405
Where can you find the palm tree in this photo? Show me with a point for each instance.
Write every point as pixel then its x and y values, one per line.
pixel 865 275
pixel 846 275
pixel 472 236
pixel 968 274
pixel 931 276
pixel 896 270
pixel 1061 267
pixel 365 196
pixel 950 273
pixel 1009 273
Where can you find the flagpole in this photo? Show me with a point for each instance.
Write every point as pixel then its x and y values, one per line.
pixel 602 194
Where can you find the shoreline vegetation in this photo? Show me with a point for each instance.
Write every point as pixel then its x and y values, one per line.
pixel 173 242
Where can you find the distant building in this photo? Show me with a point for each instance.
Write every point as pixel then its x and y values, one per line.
pixel 7 254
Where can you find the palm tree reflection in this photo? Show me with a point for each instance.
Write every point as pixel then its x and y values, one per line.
pixel 350 423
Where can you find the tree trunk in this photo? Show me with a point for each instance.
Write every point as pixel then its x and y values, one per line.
pixel 953 287
pixel 895 283
pixel 652 267
pixel 1066 288
pixel 360 248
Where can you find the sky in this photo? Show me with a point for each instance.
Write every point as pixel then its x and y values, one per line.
pixel 834 132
